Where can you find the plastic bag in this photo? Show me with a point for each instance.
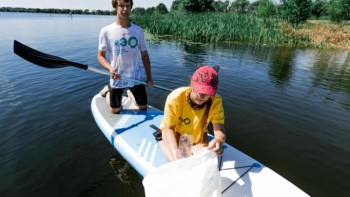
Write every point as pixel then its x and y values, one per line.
pixel 195 176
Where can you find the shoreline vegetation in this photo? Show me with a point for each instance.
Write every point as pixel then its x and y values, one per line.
pixel 258 23
pixel 247 29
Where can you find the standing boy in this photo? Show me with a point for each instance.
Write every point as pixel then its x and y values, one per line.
pixel 122 41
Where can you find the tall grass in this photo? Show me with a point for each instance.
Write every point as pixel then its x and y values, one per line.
pixel 216 27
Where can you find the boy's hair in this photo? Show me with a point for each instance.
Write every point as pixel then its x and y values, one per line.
pixel 115 2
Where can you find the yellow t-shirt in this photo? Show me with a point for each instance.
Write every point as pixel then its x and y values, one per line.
pixel 178 113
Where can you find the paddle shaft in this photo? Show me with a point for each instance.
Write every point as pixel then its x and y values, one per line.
pixel 125 78
pixel 50 61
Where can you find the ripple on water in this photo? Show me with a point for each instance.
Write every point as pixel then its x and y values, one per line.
pixel 8 92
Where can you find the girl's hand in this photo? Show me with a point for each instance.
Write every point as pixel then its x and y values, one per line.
pixel 216 146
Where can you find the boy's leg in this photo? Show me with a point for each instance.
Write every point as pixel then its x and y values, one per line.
pixel 114 99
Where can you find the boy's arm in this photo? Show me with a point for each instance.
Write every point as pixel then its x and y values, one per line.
pixel 147 64
pixel 101 58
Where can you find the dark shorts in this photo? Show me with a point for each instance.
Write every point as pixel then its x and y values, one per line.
pixel 116 95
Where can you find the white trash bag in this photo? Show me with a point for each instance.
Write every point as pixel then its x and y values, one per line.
pixel 195 176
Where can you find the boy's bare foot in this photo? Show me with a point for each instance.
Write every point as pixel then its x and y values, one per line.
pixel 131 96
pixel 104 91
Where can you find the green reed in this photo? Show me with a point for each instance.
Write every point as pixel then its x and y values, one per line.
pixel 216 27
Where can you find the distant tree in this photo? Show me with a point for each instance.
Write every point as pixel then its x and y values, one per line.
pixel 347 9
pixel 254 6
pixel 65 11
pixel 339 10
pixel 197 5
pixel 266 9
pixel 319 8
pixel 279 10
pixel 140 11
pixel 5 9
pixel 220 6
pixel 161 9
pixel 240 6
pixel 177 5
pixel 296 11
pixel 150 10
pixel 98 12
pixel 51 10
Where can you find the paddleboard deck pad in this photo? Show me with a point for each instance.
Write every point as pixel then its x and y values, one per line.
pixel 131 134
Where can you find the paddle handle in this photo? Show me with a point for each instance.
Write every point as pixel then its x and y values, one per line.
pixel 127 79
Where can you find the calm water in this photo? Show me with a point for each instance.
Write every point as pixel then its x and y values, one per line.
pixel 287 108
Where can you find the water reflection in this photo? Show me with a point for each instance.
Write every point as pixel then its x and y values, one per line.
pixel 332 70
pixel 280 69
pixel 126 175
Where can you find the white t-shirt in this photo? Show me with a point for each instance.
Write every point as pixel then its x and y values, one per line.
pixel 123 48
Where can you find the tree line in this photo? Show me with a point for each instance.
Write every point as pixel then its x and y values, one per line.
pixel 57 11
pixel 293 11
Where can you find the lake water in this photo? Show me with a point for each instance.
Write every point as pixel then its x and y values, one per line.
pixel 288 108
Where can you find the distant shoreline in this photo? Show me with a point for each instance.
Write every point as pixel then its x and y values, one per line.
pixel 57 11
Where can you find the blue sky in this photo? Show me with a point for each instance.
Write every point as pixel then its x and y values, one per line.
pixel 78 4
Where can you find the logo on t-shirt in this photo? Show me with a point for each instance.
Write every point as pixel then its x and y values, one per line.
pixel 123 42
pixel 186 121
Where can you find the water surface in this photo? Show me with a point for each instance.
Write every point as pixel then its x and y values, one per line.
pixel 287 108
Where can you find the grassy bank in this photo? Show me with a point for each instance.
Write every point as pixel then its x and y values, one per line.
pixel 232 27
pixel 323 34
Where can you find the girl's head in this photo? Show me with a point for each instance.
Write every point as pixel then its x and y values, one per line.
pixel 205 81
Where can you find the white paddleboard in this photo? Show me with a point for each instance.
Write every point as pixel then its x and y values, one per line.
pixel 131 134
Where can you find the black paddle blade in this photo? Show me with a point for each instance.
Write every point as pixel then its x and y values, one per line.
pixel 42 59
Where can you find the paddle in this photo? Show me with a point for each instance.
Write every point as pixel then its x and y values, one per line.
pixel 50 61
